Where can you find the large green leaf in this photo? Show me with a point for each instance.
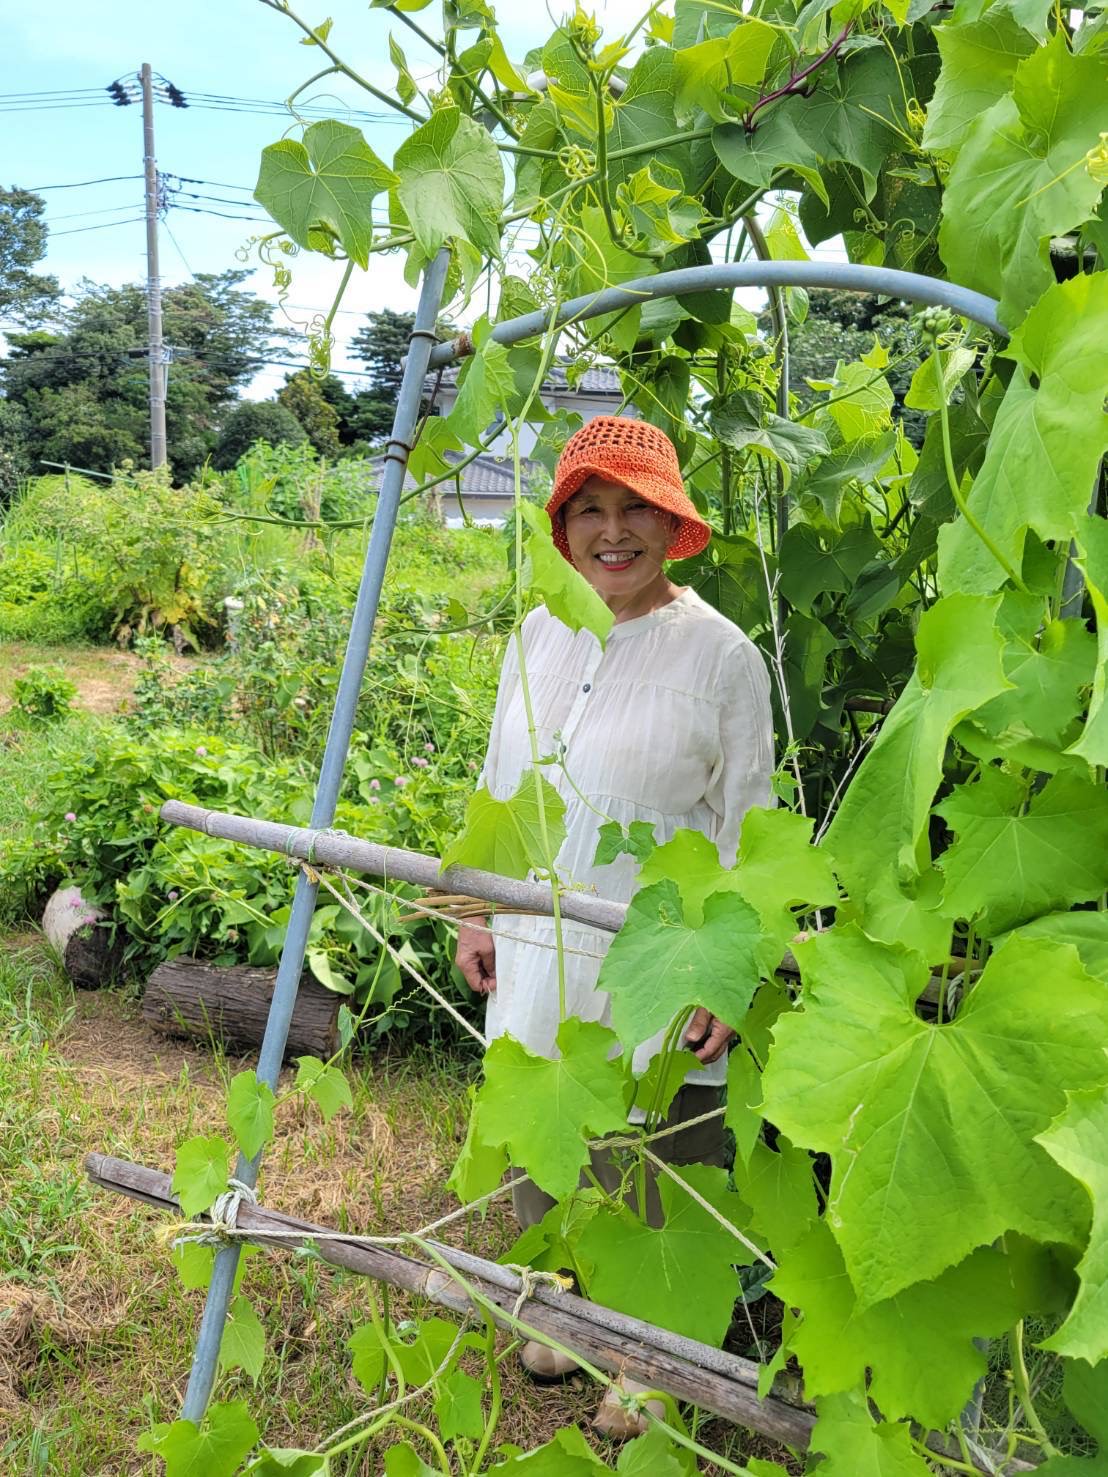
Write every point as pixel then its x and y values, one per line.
pixel 931 1128
pixel 1020 177
pixel 878 832
pixel 243 1345
pixel 203 1164
pixel 451 183
pixel 854 461
pixel 854 1445
pixel 811 564
pixel 703 73
pixel 488 387
pixel 1049 673
pixel 851 113
pixel 1086 931
pixel 679 1276
pixel 505 836
pixel 579 1095
pixel 657 964
pixel 777 141
pixel 250 1112
pixel 642 114
pixel 321 191
pixel 743 423
pixel 979 66
pixel 213 1449
pixel 1009 864
pixel 731 576
pixel 1049 436
pixel 1092 541
pixel 1078 1141
pixel 928 1376
pixel 567 1454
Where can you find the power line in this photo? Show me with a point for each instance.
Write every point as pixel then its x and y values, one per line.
pixel 75 215
pixel 59 92
pixel 80 184
pixel 104 226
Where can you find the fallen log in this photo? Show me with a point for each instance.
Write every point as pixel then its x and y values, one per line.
pixel 186 997
pixel 87 944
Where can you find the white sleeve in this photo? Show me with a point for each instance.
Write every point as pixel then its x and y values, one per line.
pixel 742 774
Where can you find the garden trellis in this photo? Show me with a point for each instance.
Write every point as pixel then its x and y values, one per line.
pixel 962 1106
pixel 308 844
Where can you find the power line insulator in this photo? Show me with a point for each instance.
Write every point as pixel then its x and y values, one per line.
pixel 176 96
pixel 119 94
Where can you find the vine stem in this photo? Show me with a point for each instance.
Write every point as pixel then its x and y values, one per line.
pixel 952 479
pixel 1022 1384
pixel 797 77
pixel 282 7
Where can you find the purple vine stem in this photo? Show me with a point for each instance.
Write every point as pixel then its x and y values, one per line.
pixel 791 85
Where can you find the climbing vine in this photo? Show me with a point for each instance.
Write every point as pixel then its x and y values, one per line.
pixel 921 1114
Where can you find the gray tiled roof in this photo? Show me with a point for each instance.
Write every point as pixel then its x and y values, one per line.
pixel 485 476
pixel 600 379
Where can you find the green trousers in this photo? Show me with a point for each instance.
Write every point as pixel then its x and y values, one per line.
pixel 703 1144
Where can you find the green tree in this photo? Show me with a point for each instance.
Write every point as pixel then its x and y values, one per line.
pixel 24 294
pixel 256 420
pixel 83 388
pixel 381 344
pixel 302 397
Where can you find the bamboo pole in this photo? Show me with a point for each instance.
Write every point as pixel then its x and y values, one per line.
pixel 722 1383
pixel 336 849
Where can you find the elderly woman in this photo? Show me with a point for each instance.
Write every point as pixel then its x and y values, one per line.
pixel 669 724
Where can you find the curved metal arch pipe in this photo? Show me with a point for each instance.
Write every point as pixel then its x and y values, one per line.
pixel 849 276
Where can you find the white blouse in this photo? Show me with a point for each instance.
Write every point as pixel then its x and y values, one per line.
pixel 670 724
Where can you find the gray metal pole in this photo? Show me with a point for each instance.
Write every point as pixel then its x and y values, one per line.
pixel 154 348
pixel 909 286
pixel 206 1355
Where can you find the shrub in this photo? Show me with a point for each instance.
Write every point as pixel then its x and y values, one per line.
pixel 44 693
pixel 255 420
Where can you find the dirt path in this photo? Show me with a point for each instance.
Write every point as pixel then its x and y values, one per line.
pixel 104 676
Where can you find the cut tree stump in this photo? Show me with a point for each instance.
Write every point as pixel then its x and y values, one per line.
pixel 89 948
pixel 187 997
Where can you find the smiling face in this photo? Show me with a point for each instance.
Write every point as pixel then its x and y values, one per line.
pixel 618 541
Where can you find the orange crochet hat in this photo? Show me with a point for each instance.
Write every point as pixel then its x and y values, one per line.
pixel 638 456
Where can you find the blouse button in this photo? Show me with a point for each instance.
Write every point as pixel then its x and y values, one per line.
pixel 587 687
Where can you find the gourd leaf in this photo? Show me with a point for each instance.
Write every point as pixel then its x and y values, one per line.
pixel 1046 444
pixel 1009 864
pixel 979 66
pixel 285 1461
pixel 488 387
pixel 583 1094
pixel 918 1117
pixel 243 1345
pixel 505 836
pixel 853 1444
pixel 929 1377
pixel 419 1358
pixel 614 840
pixel 679 1276
pixel 1020 177
pixel 564 591
pixel 451 183
pixel 479 1167
pixel 777 141
pixel 658 963
pixel 809 567
pixel 324 1084
pixel 880 825
pixel 250 1112
pixel 704 73
pixel 201 1172
pixel 1048 672
pixel 741 422
pixel 642 114
pixel 1092 540
pixel 1078 1141
pixel 214 1449
pixel 322 190
pixel 567 1454
pixel 458 1406
pixel 849 116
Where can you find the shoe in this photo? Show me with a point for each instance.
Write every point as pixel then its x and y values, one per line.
pixel 613 1418
pixel 544 1365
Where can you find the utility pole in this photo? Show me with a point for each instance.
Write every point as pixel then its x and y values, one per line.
pixel 155 351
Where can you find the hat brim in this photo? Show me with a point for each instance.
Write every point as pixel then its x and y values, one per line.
pixel 693 533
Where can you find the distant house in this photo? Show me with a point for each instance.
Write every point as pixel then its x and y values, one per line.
pixel 487 483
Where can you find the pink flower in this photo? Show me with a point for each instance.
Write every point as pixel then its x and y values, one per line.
pixel 173 895
pixel 375 784
pixel 373 800
pixel 428 748
pixel 71 815
pixel 201 751
pixel 400 781
pixel 420 762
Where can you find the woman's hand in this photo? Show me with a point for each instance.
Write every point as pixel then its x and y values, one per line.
pixel 707 1037
pixel 476 958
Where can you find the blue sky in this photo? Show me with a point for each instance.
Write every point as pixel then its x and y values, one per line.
pixel 237 49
